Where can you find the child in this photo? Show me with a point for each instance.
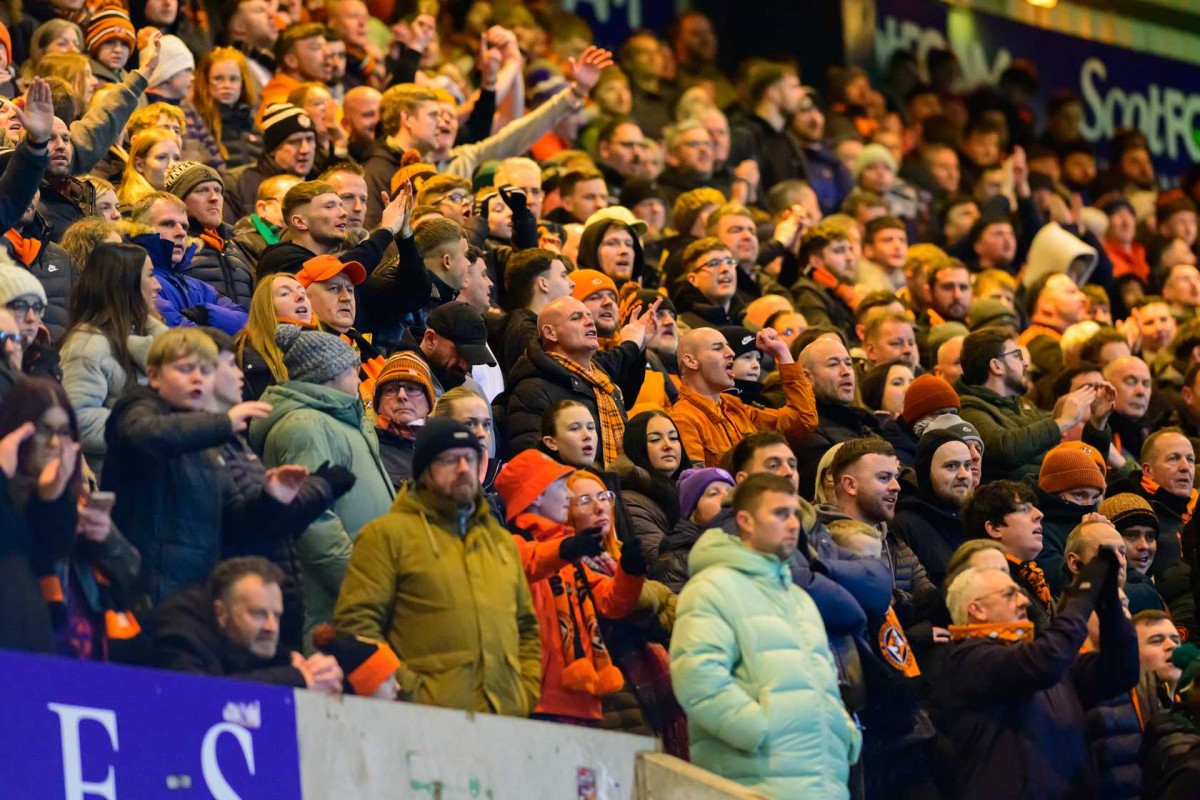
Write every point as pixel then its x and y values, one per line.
pixel 110 41
pixel 567 596
pixel 701 493
pixel 163 463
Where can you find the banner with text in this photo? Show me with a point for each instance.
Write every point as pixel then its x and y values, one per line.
pixel 75 731
pixel 1119 87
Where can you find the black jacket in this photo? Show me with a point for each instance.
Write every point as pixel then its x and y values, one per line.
pixel 241 138
pixel 188 639
pixel 396 453
pixel 241 186
pixel 835 423
pixel 1015 712
pixel 778 155
pixel 55 270
pixel 174 488
pixel 62 204
pixel 275 541
pixel 381 164
pixel 22 172
pixel 822 307
pixel 1060 518
pixel 538 382
pixel 670 566
pixel 698 312
pixel 511 338
pixel 229 270
pixel 903 440
pixel 932 528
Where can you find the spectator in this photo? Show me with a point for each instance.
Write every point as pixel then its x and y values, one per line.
pixel 885 246
pixel 889 337
pixel 280 298
pixel 52 266
pixel 160 440
pixel 829 369
pixel 884 386
pixel 564 363
pixel 1015 435
pixel 152 153
pixel 1167 481
pixel 111 330
pixel 289 147
pixel 825 292
pixel 224 97
pixel 532 279
pixel 650 466
pixel 403 401
pixel 316 420
pixel 929 519
pixel 411 591
pixel 263 226
pixel 926 398
pixel 710 421
pixel 773 94
pixel 219 261
pixel 1070 485
pixel 1134 519
pixel 569 434
pixel 1132 419
pixel 727 722
pixel 702 492
pixel 1045 679
pixel 24 300
pixel 229 627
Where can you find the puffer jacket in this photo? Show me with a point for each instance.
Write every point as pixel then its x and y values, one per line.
pixel 54 269
pixel 1114 727
pixel 697 311
pixel 933 529
pixel 94 380
pixel 670 565
pixel 181 291
pixel 172 491
pixel 538 382
pixel 837 422
pixel 310 425
pixel 446 591
pixel 650 520
pixel 229 269
pixel 277 541
pixel 751 665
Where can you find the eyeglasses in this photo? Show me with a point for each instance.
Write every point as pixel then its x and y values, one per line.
pixel 410 389
pixel 458 198
pixel 585 500
pixel 17 339
pixel 697 144
pixel 1008 595
pixel 22 307
pixel 44 433
pixel 1017 352
pixel 716 263
pixel 454 459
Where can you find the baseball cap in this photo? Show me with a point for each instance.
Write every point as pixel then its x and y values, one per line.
pixel 322 268
pixel 463 325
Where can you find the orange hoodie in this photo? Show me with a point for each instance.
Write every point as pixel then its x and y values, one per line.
pixel 614 598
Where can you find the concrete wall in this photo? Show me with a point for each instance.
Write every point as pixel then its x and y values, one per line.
pixel 664 777
pixel 359 749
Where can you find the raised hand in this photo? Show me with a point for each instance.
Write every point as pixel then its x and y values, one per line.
pixel 149 54
pixel 283 483
pixel 767 340
pixel 586 69
pixel 10 445
pixel 397 212
pixel 489 61
pixel 241 414
pixel 58 471
pixel 421 32
pixel 38 116
pixel 1076 406
pixel 642 325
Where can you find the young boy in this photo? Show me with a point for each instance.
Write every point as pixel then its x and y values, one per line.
pixel 567 596
pixel 165 466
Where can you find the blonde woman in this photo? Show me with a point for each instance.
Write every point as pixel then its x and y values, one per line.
pixel 151 153
pixel 277 299
pixel 225 97
pixel 76 70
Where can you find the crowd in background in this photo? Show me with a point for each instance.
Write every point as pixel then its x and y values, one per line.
pixel 842 436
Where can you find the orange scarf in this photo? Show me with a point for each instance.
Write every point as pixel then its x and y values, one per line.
pixel 211 238
pixel 1033 575
pixel 1036 330
pixel 26 250
pixel 826 279
pixel 1152 487
pixel 1004 631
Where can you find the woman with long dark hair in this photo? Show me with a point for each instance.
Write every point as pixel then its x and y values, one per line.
pixel 649 469
pixel 86 570
pixel 110 330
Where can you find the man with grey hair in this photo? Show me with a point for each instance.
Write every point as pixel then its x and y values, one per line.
pixel 1020 700
pixel 690 161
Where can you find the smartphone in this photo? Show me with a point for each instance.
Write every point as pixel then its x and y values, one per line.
pixel 103 501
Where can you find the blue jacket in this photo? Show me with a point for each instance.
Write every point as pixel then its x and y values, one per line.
pixel 751 666
pixel 181 291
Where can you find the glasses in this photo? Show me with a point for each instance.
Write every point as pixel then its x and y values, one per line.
pixel 1017 352
pixel 1008 595
pixel 44 434
pixel 458 198
pixel 16 338
pixel 698 144
pixel 717 263
pixel 585 500
pixel 454 459
pixel 410 389
pixel 22 307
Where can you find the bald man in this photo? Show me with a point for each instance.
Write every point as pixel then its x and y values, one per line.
pixel 831 371
pixel 948 366
pixel 709 420
pixel 763 308
pixel 1086 540
pixel 1132 420
pixel 563 363
pixel 360 115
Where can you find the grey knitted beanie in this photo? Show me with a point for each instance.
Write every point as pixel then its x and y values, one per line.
pixel 313 356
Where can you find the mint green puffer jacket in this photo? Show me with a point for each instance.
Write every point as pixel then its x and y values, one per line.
pixel 751 666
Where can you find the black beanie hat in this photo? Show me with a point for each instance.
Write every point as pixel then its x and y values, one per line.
pixel 927 447
pixel 437 436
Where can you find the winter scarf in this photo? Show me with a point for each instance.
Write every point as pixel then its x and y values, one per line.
pixel 1032 575
pixel 612 418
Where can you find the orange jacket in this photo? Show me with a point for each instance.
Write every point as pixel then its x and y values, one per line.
pixel 708 429
pixel 615 597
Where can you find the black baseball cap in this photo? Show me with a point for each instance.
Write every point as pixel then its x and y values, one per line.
pixel 463 325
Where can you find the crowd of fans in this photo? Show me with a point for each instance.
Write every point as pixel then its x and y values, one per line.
pixel 842 438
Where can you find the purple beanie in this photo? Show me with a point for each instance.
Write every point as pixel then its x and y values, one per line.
pixel 692 484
